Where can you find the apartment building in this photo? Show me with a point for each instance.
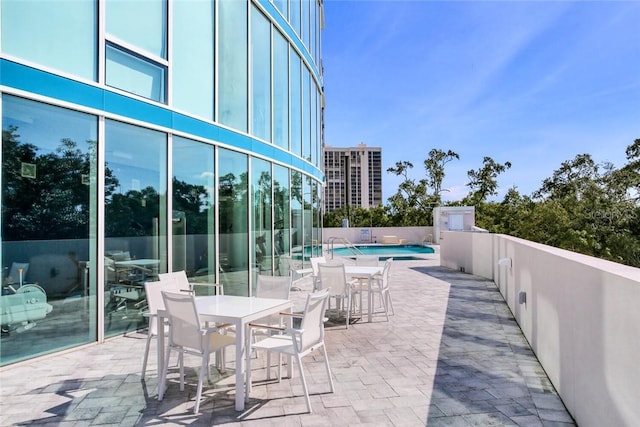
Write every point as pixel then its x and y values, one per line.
pixel 353 177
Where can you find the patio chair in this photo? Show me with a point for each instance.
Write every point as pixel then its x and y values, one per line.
pixel 181 278
pixel 302 341
pixel 153 291
pixel 332 276
pixel 367 260
pixel 188 335
pixel 382 288
pixel 315 261
pixel 271 287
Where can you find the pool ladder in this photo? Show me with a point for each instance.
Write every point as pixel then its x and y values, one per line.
pixel 347 244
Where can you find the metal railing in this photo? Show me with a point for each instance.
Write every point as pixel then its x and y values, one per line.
pixel 347 244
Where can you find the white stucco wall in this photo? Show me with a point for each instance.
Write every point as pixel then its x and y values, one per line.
pixel 354 234
pixel 582 319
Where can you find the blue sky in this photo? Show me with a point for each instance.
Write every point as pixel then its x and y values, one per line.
pixel 530 82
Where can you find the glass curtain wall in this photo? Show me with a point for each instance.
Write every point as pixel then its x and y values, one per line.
pixel 49 199
pixel 193 218
pixel 260 75
pixel 281 220
pixel 192 64
pixel 135 221
pixel 62 38
pixel 280 91
pixel 233 207
pixel 297 250
pixel 261 218
pixel 307 214
pixel 233 89
pixel 296 102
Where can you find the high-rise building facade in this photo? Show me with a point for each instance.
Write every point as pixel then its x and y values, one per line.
pixel 353 177
pixel 142 137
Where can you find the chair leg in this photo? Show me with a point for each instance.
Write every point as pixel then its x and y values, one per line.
pixel 146 356
pixel 326 364
pixel 348 309
pixel 204 366
pixel 389 303
pixel 304 383
pixel 383 300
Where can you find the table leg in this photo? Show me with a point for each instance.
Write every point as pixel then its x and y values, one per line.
pixel 369 301
pixel 240 363
pixel 160 344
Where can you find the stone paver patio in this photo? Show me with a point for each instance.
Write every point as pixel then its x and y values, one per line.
pixel 452 355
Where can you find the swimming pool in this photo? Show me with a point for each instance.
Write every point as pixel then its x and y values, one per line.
pixel 386 250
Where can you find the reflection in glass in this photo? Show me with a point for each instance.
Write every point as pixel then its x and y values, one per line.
pixel 135 74
pixel 233 217
pixel 260 75
pixel 62 38
pixel 297 252
pixel 193 204
pixel 135 220
pixel 261 217
pixel 192 64
pixel 281 221
pixel 307 222
pixel 49 192
pixel 306 114
pixel 232 64
pixel 150 30
pixel 280 91
pixel 296 103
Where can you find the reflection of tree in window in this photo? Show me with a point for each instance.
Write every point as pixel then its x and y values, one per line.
pixel 193 201
pixel 55 203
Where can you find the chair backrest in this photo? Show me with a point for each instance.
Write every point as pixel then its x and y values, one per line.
pixel 177 278
pixel 385 273
pixel 153 291
pixel 315 261
pixel 273 286
pixel 184 321
pixel 367 260
pixel 313 319
pixel 332 276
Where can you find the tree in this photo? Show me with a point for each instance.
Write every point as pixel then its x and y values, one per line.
pixel 434 165
pixel 483 182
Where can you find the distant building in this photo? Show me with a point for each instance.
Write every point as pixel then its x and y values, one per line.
pixel 353 177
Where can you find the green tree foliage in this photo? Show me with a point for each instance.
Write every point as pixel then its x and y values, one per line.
pixel 483 182
pixel 585 206
pixel 434 166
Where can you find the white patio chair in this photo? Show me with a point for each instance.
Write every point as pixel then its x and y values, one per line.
pixel 153 291
pixel 382 288
pixel 300 342
pixel 278 287
pixel 315 261
pixel 367 260
pixel 188 335
pixel 189 286
pixel 332 276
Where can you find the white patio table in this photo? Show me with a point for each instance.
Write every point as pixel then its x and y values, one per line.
pixel 368 273
pixel 239 311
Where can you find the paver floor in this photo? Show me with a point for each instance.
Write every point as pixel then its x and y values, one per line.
pixel 451 355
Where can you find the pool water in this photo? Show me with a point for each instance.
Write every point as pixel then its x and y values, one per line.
pixel 386 250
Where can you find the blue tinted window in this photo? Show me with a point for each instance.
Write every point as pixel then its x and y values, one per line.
pixel 57 34
pixel 260 75
pixel 280 91
pixel 134 74
pixel 296 104
pixel 232 69
pixel 140 23
pixel 192 63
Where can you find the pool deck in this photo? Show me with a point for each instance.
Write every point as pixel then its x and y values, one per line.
pixel 451 355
